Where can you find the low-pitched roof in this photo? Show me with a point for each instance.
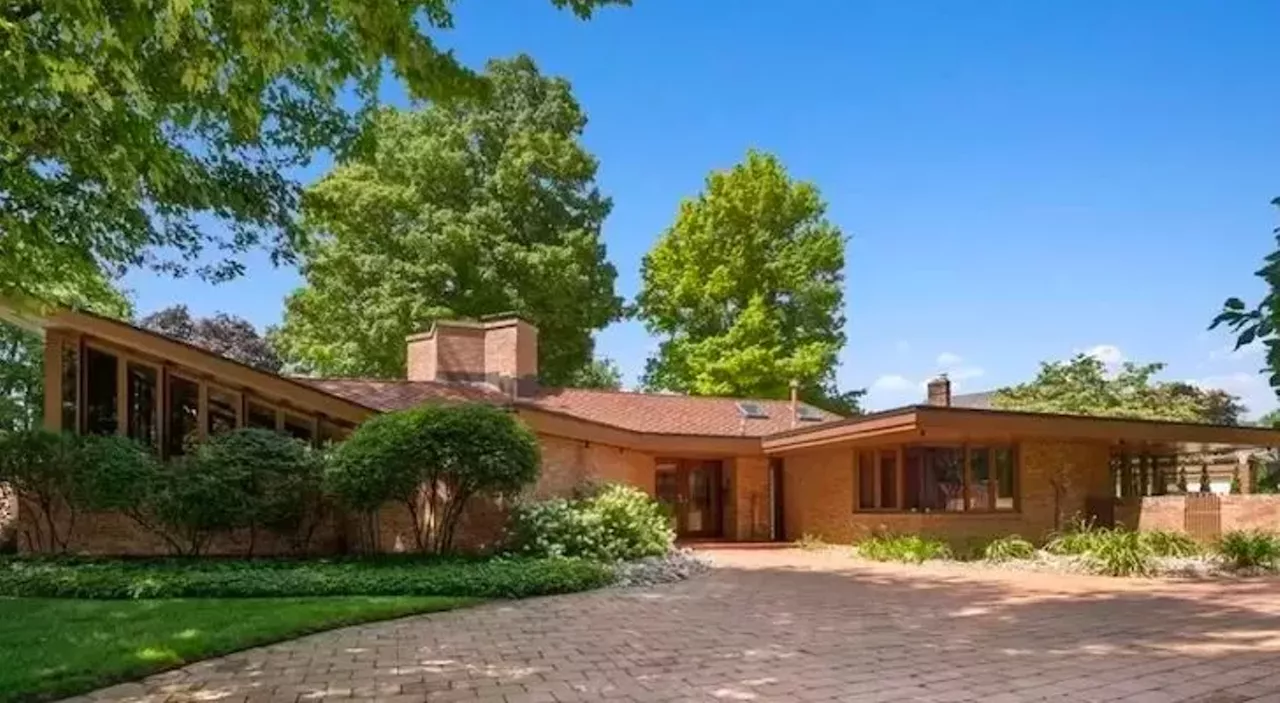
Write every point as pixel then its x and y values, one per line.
pixel 648 413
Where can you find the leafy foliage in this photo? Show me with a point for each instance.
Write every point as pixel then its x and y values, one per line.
pixel 1250 549
pixel 509 220
pixel 912 549
pixel 433 460
pixel 603 374
pixel 1164 543
pixel 130 127
pixel 1259 324
pixel 1009 548
pixel 228 335
pixel 615 523
pixel 745 290
pixel 276 578
pixel 1082 386
pixel 1121 553
pixel 57 476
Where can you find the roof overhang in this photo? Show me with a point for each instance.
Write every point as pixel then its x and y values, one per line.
pixel 946 424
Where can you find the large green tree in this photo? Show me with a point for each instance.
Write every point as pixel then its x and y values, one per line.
pixel 150 131
pixel 462 210
pixel 1260 323
pixel 1084 386
pixel 745 290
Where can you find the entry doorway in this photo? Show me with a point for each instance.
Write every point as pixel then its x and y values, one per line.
pixel 690 490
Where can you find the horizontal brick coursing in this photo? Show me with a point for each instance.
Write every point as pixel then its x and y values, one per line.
pixel 1237 512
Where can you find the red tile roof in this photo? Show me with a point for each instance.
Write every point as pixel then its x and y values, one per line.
pixel 671 414
pixel 386 395
pixel 638 412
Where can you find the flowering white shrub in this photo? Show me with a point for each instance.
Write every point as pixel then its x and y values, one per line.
pixel 613 523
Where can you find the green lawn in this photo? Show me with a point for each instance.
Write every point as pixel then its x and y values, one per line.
pixel 59 647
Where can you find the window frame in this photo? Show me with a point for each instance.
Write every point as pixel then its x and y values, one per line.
pixel 899 452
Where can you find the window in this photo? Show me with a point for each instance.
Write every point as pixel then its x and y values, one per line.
pixel 938 479
pixel 298 427
pixel 221 415
pixel 866 481
pixel 102 393
pixel 70 386
pixel 752 410
pixel 183 416
pixel 888 480
pixel 261 416
pixel 142 396
pixel 331 432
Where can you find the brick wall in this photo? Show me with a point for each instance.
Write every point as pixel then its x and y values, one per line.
pixel 1236 512
pixel 819 495
pixel 746 509
pixel 8 516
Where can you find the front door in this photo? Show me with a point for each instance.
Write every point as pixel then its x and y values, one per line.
pixel 690 489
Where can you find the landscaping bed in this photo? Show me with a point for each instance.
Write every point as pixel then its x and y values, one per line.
pixel 262 578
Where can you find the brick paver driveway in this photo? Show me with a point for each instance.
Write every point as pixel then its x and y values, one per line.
pixel 786 625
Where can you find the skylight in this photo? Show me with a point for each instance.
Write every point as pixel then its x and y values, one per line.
pixel 752 410
pixel 808 414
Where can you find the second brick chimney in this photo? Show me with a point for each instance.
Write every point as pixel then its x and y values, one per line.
pixel 501 351
pixel 939 391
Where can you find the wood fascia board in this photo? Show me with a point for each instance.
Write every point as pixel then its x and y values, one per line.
pixel 983 423
pixel 222 371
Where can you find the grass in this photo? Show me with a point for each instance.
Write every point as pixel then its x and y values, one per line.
pixel 60 647
pixel 910 549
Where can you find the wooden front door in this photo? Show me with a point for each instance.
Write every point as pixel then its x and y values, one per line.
pixel 690 489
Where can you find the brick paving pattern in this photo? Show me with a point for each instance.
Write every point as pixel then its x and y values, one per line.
pixel 786 625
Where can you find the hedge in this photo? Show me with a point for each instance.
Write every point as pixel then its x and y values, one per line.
pixel 214 578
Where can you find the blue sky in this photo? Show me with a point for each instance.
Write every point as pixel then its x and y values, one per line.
pixel 1018 181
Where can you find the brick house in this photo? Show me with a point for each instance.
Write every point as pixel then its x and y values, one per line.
pixel 730 469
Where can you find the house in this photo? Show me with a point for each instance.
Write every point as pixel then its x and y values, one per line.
pixel 731 469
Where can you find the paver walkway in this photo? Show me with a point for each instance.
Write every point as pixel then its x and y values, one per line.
pixel 788 625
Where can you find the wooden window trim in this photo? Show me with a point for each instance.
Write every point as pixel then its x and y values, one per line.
pixel 900 450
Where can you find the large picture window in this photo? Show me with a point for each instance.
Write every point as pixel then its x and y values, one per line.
pixel 222 415
pixel 937 479
pixel 184 414
pixel 143 396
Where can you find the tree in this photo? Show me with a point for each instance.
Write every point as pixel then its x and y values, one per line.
pixel 1260 323
pixel 126 123
pixel 462 211
pixel 745 289
pixel 228 335
pixel 1082 386
pixel 603 374
pixel 433 460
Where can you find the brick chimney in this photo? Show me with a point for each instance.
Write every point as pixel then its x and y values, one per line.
pixel 939 391
pixel 501 350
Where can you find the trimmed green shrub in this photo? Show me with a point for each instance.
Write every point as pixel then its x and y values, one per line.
pixel 614 523
pixel 1009 548
pixel 1120 553
pixel 1250 549
pixel 433 460
pixel 218 578
pixel 912 549
pixel 1164 543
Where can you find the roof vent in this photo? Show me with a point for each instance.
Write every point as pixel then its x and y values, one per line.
pixel 809 414
pixel 752 410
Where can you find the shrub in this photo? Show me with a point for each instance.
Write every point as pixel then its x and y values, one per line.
pixel 1250 549
pixel 1009 548
pixel 1078 537
pixel 1164 543
pixel 615 523
pixel 913 549
pixel 1120 553
pixel 59 475
pixel 220 578
pixel 433 460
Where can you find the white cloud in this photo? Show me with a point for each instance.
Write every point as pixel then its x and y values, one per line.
pixel 891 382
pixel 948 359
pixel 1108 354
pixel 1252 388
pixel 965 373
